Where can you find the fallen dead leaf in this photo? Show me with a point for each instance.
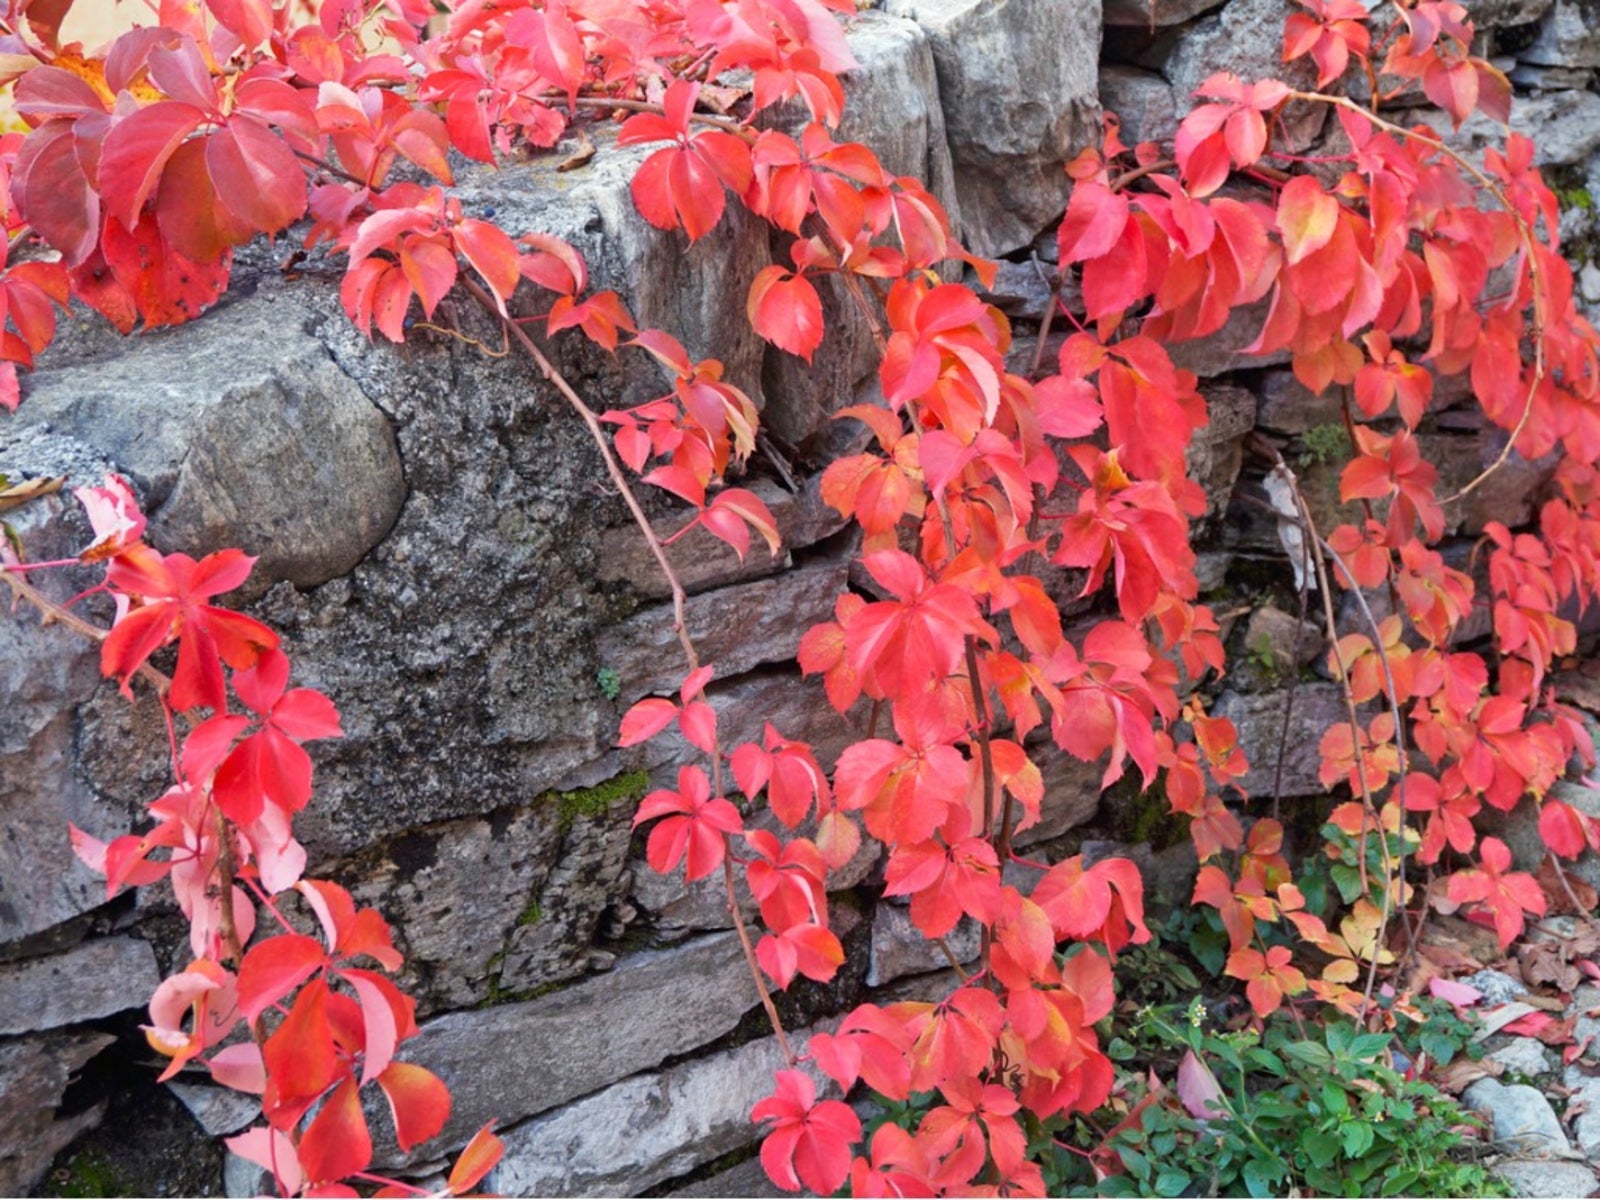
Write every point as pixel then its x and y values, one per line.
pixel 19 494
pixel 579 157
pixel 1463 1071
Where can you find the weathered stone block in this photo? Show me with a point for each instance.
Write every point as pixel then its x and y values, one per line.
pixel 499 904
pixel 1071 794
pixel 34 1074
pixel 1569 36
pixel 892 105
pixel 735 628
pixel 1142 100
pixel 899 948
pixel 89 981
pixel 511 1061
pixel 44 672
pixel 1216 452
pixel 1246 38
pixel 1260 721
pixel 1154 14
pixel 1017 81
pixel 237 431
pixel 1563 126
pixel 644 1130
pixel 700 561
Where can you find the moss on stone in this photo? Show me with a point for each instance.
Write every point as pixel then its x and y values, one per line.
pixel 88 1174
pixel 596 800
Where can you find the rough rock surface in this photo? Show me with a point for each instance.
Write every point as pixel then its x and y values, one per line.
pixel 1260 721
pixel 1568 36
pixel 92 980
pixel 643 1130
pixel 734 628
pixel 1215 453
pixel 1143 102
pixel 1520 1117
pixel 1155 13
pixel 553 1049
pixel 1008 154
pixel 261 441
pixel 34 1073
pixel 892 104
pixel 44 673
pixel 1246 38
pixel 1537 1177
pixel 899 949
pixel 1564 127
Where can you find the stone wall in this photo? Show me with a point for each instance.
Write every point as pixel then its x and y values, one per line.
pixel 443 556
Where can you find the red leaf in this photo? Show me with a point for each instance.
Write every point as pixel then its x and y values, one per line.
pixel 189 214
pixel 380 1029
pixel 809 1144
pixel 1094 222
pixel 163 286
pixel 476 1161
pixel 336 1145
pixel 420 1103
pixel 300 1055
pixel 1198 1088
pixel 493 255
pixel 248 20
pixel 257 177
pixel 646 719
pixel 274 968
pixel 1307 217
pixel 54 194
pixel 1562 828
pixel 784 308
pixel 135 151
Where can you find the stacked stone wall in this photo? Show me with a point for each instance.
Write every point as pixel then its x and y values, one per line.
pixel 441 551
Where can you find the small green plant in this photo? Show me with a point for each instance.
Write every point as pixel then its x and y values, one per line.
pixel 609 682
pixel 1155 972
pixel 1324 444
pixel 1288 1111
pixel 1442 1034
pixel 1263 659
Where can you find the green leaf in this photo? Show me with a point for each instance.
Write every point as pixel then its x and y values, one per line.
pixel 1322 1147
pixel 1310 1054
pixel 1369 1045
pixel 1348 880
pixel 1334 1099
pixel 1171 1183
pixel 1357 1138
pixel 1260 1177
pixel 1438 1045
pixel 1136 1163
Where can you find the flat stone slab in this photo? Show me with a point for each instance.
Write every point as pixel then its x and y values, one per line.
pixel 512 1061
pixel 89 981
pixel 644 1130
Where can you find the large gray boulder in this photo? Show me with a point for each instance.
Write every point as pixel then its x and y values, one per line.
pixel 645 1129
pixel 892 106
pixel 237 431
